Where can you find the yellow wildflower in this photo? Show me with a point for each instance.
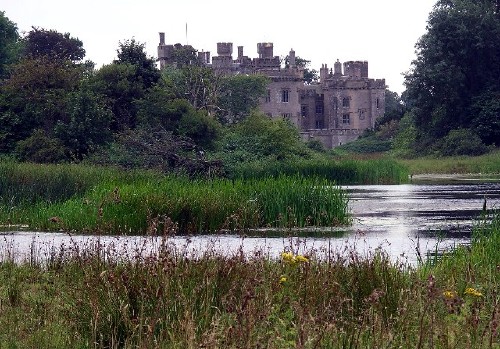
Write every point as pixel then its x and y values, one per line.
pixel 302 259
pixel 288 257
pixel 283 279
pixel 473 292
pixel 449 294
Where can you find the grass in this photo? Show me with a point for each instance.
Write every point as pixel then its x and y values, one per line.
pixel 343 170
pixel 107 201
pixel 485 164
pixel 102 297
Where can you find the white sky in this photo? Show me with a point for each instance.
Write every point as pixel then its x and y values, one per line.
pixel 383 32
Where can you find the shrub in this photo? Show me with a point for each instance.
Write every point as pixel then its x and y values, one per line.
pixel 41 148
pixel 460 142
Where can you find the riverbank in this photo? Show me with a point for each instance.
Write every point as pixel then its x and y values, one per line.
pixel 91 296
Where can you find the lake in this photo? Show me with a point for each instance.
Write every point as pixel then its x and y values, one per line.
pixel 430 215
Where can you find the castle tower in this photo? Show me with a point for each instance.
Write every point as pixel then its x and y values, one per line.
pixel 265 49
pixel 225 49
pixel 337 68
pixel 323 73
pixel 240 52
pixel 291 57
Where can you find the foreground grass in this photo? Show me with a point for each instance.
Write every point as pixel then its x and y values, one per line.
pixel 96 297
pixel 485 164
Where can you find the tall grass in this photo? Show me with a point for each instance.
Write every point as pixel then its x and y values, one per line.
pixel 485 164
pixel 113 202
pixel 101 297
pixel 344 171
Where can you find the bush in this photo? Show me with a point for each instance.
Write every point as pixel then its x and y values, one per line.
pixel 460 142
pixel 41 148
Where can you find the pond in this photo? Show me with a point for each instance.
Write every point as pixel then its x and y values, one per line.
pixel 409 222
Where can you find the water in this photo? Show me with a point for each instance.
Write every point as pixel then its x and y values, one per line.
pixel 407 221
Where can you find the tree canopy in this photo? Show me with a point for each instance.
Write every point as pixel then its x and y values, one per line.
pixel 54 45
pixel 455 81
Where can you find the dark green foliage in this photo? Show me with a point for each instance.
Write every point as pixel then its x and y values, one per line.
pixel 53 45
pixel 134 53
pixel 394 109
pixel 118 85
pixel 259 136
pixel 41 148
pixel 460 142
pixel 87 126
pixel 240 94
pixel 9 44
pixel 485 109
pixel 34 97
pixel 458 65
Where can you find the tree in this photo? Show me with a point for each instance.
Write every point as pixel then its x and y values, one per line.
pixel 34 97
pixel 394 109
pixel 9 44
pixel 458 60
pixel 88 123
pixel 240 94
pixel 119 86
pixel 134 53
pixel 54 45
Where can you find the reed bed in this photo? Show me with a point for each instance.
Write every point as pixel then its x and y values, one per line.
pixel 99 297
pixel 113 202
pixel 344 171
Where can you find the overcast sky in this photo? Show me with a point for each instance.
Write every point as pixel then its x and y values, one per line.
pixel 382 32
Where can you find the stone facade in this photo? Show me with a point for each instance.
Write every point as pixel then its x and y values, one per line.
pixel 335 110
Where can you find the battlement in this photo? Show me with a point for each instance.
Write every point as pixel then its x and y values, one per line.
pixel 225 49
pixel 356 69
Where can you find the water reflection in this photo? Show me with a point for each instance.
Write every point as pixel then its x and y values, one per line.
pixel 401 219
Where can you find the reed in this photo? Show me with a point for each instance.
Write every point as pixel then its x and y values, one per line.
pixel 343 171
pixel 118 203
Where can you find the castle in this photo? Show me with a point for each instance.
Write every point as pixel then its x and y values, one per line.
pixel 335 110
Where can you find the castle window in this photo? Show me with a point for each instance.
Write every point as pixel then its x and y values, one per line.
pixel 319 109
pixel 304 110
pixel 346 119
pixel 268 96
pixel 319 124
pixel 287 115
pixel 285 96
pixel 346 102
pixel 378 103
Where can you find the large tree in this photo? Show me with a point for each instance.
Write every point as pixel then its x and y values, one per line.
pixel 134 53
pixel 455 80
pixel 9 43
pixel 54 45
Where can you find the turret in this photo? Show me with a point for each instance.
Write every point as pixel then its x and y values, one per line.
pixel 265 49
pixel 337 68
pixel 291 58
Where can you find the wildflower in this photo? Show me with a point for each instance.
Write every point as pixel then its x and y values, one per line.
pixel 301 259
pixel 288 257
pixel 283 279
pixel 449 294
pixel 473 292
